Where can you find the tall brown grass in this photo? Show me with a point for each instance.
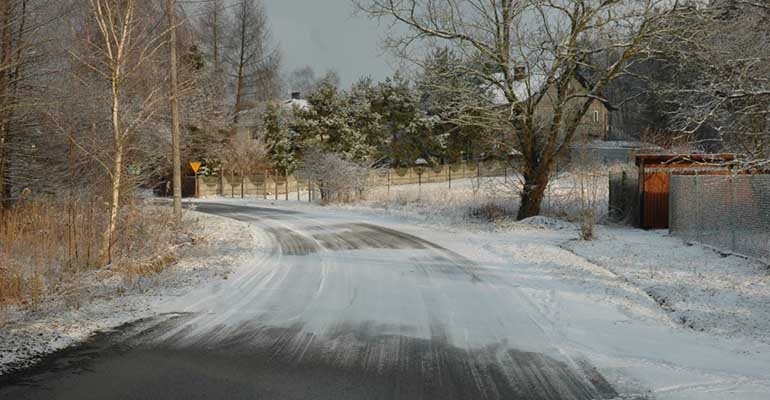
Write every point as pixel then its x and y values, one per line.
pixel 46 244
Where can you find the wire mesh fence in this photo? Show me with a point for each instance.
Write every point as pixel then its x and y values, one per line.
pixel 725 211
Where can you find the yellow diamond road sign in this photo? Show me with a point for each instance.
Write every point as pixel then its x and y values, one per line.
pixel 195 166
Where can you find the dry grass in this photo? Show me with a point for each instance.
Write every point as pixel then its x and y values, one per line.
pixel 45 245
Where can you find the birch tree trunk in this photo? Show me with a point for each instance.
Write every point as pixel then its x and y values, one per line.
pixel 117 168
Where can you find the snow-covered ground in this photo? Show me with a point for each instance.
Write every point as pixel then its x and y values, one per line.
pixel 654 314
pixel 701 288
pixel 106 299
pixel 681 321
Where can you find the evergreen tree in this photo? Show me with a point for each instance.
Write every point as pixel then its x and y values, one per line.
pixel 445 94
pixel 408 128
pixel 364 119
pixel 326 124
pixel 278 140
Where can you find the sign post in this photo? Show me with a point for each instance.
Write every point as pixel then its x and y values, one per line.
pixel 195 165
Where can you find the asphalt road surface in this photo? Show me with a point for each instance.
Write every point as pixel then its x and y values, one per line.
pixel 333 308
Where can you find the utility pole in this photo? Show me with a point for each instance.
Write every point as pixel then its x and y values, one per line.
pixel 174 98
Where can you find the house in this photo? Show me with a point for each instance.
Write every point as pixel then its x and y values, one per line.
pixel 251 120
pixel 595 124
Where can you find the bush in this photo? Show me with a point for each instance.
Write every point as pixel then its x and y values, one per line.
pixel 338 179
pixel 46 243
pixel 489 212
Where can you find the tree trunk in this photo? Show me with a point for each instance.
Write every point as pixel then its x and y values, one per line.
pixel 117 171
pixel 177 161
pixel 112 225
pixel 241 65
pixel 5 103
pixel 532 194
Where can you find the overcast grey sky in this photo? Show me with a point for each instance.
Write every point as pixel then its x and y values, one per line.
pixel 326 35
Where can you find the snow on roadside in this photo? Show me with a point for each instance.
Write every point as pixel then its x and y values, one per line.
pixel 700 288
pixel 107 299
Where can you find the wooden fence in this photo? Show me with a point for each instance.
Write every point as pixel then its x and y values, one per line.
pixel 273 186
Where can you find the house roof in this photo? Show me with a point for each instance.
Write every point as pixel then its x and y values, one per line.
pixel 522 89
pixel 252 116
pixel 301 104
pixel 687 159
pixel 532 84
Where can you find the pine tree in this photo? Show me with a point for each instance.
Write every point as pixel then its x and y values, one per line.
pixel 364 119
pixel 278 140
pixel 326 124
pixel 444 95
pixel 408 128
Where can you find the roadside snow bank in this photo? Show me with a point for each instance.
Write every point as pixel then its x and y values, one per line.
pixel 106 299
pixel 700 288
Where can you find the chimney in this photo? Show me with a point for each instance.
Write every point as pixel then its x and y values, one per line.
pixel 519 73
pixel 296 95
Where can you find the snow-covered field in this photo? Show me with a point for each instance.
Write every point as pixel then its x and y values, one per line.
pixel 107 299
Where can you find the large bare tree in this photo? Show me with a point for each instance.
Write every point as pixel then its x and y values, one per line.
pixel 250 55
pixel 529 53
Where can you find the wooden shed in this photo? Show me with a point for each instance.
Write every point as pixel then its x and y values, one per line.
pixel 655 177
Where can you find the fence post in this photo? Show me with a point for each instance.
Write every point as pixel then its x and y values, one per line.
pixel 449 169
pixel 478 175
pixel 264 186
pixel 698 220
pixel 232 184
pixel 505 174
pixel 733 217
pixel 309 191
pixel 388 180
pixel 286 184
pixel 275 187
pixel 242 182
pixel 296 179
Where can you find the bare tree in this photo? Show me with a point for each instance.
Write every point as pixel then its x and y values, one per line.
pixel 530 54
pixel 124 42
pixel 14 28
pixel 212 28
pixel 212 24
pixel 716 83
pixel 243 154
pixel 250 55
pixel 337 178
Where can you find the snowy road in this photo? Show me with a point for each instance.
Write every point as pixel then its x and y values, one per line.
pixel 338 307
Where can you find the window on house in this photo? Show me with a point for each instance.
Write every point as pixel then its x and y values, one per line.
pixel 596 117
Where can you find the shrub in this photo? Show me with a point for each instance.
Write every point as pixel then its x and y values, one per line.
pixel 489 212
pixel 338 179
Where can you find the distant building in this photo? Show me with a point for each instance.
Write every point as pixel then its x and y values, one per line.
pixel 251 120
pixel 595 124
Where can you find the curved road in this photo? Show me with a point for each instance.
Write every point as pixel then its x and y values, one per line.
pixel 331 308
